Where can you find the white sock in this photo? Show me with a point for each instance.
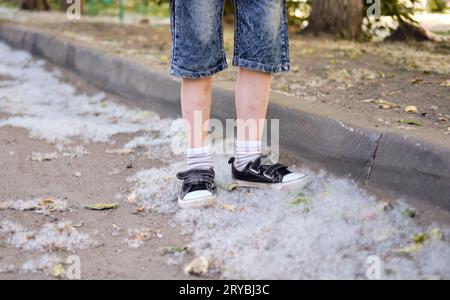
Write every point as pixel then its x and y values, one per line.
pixel 198 158
pixel 245 152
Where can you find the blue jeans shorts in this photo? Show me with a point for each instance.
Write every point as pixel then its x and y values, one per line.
pixel 261 41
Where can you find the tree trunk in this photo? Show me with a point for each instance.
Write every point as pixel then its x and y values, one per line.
pixel 339 17
pixel 35 5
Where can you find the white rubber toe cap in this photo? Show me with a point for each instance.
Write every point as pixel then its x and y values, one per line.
pixel 197 195
pixel 292 177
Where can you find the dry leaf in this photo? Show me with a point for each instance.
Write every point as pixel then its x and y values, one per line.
pixel 40 157
pixel 413 247
pixel 386 105
pixel 102 206
pixel 411 109
pixel 410 122
pixel 300 199
pixel 417 80
pixel 229 207
pixel 58 270
pixel 445 82
pixel 230 186
pixel 174 249
pixel 383 104
pixel 436 233
pixel 132 198
pixel 139 210
pixel 199 266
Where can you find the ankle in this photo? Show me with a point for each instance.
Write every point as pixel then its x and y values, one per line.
pixel 245 152
pixel 198 158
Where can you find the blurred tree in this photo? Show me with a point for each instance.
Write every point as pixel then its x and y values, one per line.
pixel 339 17
pixel 35 5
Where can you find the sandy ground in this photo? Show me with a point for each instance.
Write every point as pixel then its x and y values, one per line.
pixel 112 258
pixel 327 230
pixel 94 177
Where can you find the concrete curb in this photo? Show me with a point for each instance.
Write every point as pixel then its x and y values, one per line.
pixel 398 164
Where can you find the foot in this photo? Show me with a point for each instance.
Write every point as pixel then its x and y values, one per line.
pixel 256 174
pixel 198 188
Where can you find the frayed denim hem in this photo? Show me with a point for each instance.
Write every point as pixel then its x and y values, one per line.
pixel 179 72
pixel 256 66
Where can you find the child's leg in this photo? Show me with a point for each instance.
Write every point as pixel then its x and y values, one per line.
pixel 261 48
pixel 198 179
pixel 196 108
pixel 197 54
pixel 252 99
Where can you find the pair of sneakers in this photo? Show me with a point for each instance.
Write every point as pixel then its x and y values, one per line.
pixel 199 190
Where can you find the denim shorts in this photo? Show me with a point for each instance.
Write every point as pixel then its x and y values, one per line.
pixel 261 41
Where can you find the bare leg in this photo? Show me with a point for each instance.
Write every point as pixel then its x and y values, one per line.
pixel 196 97
pixel 196 109
pixel 252 99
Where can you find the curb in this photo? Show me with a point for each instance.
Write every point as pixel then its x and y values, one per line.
pixel 399 165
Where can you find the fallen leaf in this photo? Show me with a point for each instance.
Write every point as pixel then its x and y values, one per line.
pixel 199 266
pixel 411 213
pixel 417 80
pixel 78 225
pixel 132 198
pixel 420 238
pixel 58 270
pixel 40 157
pixel 386 105
pixel 46 201
pixel 300 199
pixel 410 122
pixel 137 237
pixel 445 82
pixel 383 104
pixel 174 249
pixel 411 109
pixel 230 186
pixel 139 210
pixel 228 207
pixel 411 248
pixel 436 233
pixel 102 206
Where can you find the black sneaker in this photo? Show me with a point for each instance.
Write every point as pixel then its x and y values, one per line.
pixel 198 188
pixel 269 175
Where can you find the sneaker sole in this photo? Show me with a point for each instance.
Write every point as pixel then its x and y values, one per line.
pixel 294 184
pixel 197 203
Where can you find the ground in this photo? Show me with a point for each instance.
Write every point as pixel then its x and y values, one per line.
pixel 69 145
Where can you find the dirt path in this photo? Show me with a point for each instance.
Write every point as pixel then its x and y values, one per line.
pixel 64 145
pixel 109 256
